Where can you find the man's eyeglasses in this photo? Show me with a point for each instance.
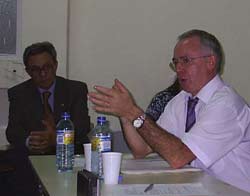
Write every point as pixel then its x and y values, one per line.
pixel 184 60
pixel 37 70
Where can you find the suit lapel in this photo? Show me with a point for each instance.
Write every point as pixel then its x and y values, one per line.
pixel 34 108
pixel 60 98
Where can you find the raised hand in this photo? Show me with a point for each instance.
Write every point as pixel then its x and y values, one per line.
pixel 116 101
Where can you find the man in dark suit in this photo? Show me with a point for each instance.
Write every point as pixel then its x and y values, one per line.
pixel 27 126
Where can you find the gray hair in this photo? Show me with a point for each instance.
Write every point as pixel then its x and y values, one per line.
pixel 208 41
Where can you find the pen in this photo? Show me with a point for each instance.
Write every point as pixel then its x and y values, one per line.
pixel 148 188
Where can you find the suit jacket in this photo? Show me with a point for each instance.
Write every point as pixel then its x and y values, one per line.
pixel 25 110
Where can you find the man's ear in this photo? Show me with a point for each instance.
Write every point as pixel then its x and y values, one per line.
pixel 211 62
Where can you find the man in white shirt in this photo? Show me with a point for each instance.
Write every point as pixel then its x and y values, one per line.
pixel 217 141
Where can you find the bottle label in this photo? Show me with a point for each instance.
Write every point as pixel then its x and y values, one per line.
pixel 69 137
pixel 60 137
pixel 103 142
pixel 95 143
pixel 65 137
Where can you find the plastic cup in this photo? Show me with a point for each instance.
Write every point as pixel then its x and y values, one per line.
pixel 87 155
pixel 111 167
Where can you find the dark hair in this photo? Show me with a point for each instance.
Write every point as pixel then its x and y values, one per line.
pixel 38 48
pixel 209 41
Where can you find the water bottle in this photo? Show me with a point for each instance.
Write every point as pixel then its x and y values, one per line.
pixel 101 139
pixel 65 144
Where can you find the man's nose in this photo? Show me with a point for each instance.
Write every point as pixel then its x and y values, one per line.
pixel 42 72
pixel 179 67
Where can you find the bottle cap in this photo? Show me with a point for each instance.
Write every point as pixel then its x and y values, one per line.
pixel 65 115
pixel 101 119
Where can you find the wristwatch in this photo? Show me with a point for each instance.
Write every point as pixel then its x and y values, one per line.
pixel 138 122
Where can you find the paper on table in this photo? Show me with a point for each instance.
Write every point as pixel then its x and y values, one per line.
pixel 153 164
pixel 189 189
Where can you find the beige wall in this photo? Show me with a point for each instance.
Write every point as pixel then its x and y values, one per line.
pixel 41 20
pixel 133 41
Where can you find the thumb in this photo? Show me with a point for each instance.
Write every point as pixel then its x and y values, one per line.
pixel 119 85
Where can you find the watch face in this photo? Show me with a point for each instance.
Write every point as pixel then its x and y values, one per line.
pixel 138 123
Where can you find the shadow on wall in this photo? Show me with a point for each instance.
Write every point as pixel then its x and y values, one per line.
pixel 4 111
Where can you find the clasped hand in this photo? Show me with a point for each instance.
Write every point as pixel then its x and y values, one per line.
pixel 41 141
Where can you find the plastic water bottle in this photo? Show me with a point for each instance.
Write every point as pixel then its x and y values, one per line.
pixel 65 144
pixel 101 140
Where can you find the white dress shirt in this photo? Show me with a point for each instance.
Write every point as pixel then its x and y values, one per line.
pixel 220 138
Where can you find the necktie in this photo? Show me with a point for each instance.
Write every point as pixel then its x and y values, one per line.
pixel 46 107
pixel 191 113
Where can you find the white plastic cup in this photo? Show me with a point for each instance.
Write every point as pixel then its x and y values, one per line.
pixel 111 167
pixel 87 155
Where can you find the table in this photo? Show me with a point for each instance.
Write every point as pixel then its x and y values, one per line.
pixel 65 184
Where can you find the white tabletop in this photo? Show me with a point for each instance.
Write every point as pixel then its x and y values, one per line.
pixel 65 184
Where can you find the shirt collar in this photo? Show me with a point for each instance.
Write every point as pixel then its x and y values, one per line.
pixel 51 89
pixel 209 89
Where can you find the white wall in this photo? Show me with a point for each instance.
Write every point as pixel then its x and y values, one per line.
pixel 4 105
pixel 42 20
pixel 133 41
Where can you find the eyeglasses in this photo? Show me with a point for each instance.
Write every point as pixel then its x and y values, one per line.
pixel 37 70
pixel 184 60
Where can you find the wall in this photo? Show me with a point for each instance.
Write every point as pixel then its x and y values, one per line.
pixel 133 41
pixel 41 21
pixel 4 105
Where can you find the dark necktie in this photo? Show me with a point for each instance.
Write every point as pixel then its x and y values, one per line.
pixel 46 107
pixel 191 113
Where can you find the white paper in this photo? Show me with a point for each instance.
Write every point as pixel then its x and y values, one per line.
pixel 190 189
pixel 153 164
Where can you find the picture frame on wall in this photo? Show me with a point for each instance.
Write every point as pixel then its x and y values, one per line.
pixel 10 29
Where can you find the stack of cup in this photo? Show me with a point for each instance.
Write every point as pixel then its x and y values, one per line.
pixel 111 164
pixel 87 155
pixel 111 167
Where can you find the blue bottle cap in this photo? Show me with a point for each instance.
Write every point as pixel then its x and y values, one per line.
pixel 101 119
pixel 65 115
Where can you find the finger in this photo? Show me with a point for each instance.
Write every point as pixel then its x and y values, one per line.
pixel 35 140
pixel 104 90
pixel 120 86
pixel 34 145
pixel 38 142
pixel 99 102
pixel 99 96
pixel 39 147
pixel 115 87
